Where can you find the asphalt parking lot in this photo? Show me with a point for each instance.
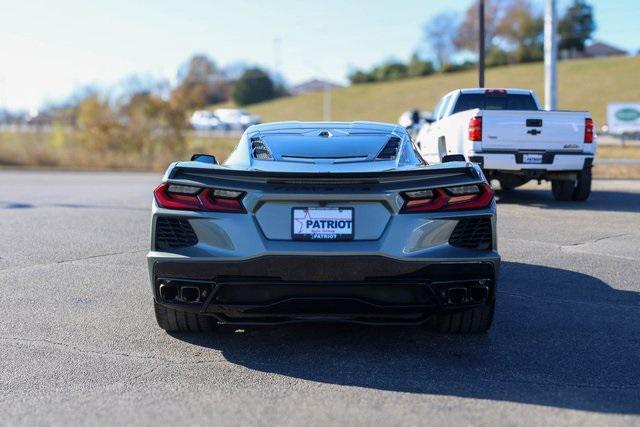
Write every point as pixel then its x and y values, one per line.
pixel 79 344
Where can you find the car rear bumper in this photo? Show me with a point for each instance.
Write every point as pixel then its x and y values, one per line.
pixel 345 288
pixel 513 161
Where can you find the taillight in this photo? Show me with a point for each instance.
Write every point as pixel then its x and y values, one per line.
pixel 588 131
pixel 188 198
pixel 475 129
pixel 462 197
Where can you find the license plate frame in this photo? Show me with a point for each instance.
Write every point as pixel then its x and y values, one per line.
pixel 326 233
pixel 532 158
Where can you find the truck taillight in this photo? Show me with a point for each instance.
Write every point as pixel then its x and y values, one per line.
pixel 588 131
pixel 463 197
pixel 475 129
pixel 188 198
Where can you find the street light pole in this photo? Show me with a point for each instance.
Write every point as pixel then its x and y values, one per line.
pixel 481 37
pixel 550 56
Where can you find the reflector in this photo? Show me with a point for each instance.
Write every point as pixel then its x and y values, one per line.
pixel 183 189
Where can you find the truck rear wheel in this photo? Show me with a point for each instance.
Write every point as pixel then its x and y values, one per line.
pixel 468 321
pixel 172 320
pixel 562 189
pixel 582 188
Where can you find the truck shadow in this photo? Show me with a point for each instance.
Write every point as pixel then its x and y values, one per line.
pixel 560 339
pixel 614 201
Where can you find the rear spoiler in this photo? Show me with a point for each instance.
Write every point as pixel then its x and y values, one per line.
pixel 422 177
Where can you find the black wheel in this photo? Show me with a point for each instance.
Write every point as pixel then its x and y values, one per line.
pixel 506 186
pixel 473 320
pixel 582 188
pixel 562 189
pixel 173 320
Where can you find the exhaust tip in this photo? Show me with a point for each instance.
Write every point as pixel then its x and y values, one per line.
pixel 190 294
pixel 168 292
pixel 478 293
pixel 457 295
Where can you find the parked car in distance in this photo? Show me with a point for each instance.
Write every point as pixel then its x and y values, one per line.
pixel 513 140
pixel 236 119
pixel 414 117
pixel 205 120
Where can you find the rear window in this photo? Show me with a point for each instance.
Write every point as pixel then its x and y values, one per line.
pixel 495 101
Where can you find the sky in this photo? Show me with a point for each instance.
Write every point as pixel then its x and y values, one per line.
pixel 49 48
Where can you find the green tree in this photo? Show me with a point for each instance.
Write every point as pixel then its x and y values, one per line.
pixel 391 71
pixel 418 68
pixel 360 76
pixel 253 86
pixel 496 57
pixel 576 26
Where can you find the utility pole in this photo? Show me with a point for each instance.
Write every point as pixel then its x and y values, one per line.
pixel 481 40
pixel 550 56
pixel 277 60
pixel 326 107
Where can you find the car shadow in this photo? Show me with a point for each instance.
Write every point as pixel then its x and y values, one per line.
pixel 614 201
pixel 560 339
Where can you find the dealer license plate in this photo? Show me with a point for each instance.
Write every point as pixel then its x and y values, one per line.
pixel 329 224
pixel 534 158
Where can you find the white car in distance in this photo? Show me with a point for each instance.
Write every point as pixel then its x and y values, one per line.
pixel 236 119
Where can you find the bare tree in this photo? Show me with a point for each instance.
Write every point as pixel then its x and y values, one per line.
pixel 440 33
pixel 467 34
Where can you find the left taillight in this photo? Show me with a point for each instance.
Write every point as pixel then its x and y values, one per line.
pixel 189 198
pixel 475 129
pixel 463 197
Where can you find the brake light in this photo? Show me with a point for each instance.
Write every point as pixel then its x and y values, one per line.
pixel 495 91
pixel 475 129
pixel 188 198
pixel 588 131
pixel 462 197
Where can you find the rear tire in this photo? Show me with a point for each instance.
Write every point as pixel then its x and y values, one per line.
pixel 505 186
pixel 582 189
pixel 562 189
pixel 172 320
pixel 473 320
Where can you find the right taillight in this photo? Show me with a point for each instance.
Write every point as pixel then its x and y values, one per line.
pixel 463 197
pixel 588 131
pixel 475 129
pixel 189 198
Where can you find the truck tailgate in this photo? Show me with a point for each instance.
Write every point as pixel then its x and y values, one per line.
pixel 533 130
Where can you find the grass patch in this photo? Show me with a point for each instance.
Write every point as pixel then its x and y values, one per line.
pixel 616 171
pixel 52 150
pixel 584 84
pixel 618 152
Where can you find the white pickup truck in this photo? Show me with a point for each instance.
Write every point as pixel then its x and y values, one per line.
pixel 513 139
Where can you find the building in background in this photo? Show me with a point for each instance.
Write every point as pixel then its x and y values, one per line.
pixel 600 49
pixel 313 85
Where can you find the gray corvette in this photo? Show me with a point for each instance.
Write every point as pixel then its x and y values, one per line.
pixel 339 222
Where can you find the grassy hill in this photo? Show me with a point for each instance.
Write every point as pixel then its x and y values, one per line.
pixel 585 84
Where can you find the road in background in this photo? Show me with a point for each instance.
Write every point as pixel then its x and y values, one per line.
pixel 79 344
